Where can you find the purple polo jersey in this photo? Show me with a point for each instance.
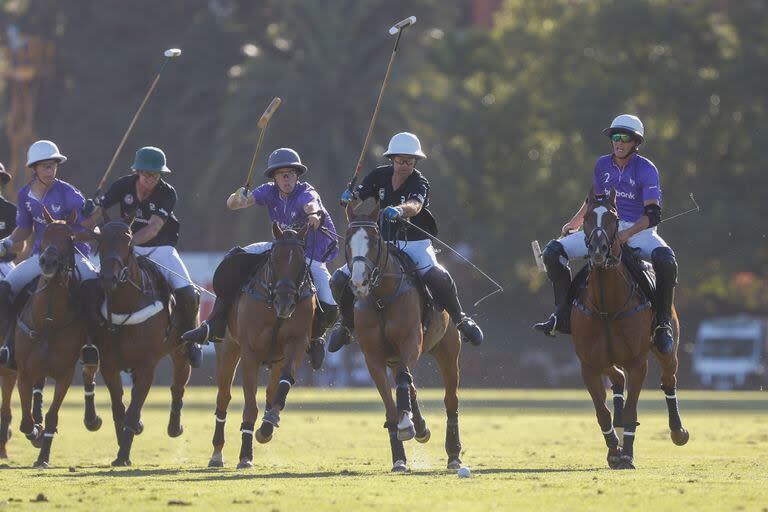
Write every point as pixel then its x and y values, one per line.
pixel 289 213
pixel 636 183
pixel 60 200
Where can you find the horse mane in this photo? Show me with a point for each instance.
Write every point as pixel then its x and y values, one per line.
pixel 365 208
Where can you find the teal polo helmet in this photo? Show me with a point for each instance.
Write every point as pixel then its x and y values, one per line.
pixel 150 159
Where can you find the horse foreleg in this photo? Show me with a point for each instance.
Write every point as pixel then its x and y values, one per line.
pixel 669 364
pixel 593 380
pixel 294 354
pixel 28 426
pixel 52 418
pixel 378 370
pixel 37 400
pixel 115 387
pixel 635 378
pixel 181 372
pixel 447 356
pixel 91 420
pixel 227 357
pixel 132 425
pixel 8 383
pixel 250 377
pixel 265 431
pixel 618 383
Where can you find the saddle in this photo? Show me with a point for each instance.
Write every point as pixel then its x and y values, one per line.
pixel 235 270
pixel 159 288
pixel 641 272
pixel 413 275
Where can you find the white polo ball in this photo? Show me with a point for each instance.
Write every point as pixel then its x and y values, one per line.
pixel 464 472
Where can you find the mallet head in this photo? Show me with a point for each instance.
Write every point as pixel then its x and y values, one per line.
pixel 397 27
pixel 172 52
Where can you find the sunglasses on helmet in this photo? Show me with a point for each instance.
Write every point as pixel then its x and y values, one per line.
pixel 621 137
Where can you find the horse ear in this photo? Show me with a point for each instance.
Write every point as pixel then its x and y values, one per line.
pixel 47 215
pixel 613 198
pixel 72 217
pixel 302 234
pixel 591 196
pixel 276 231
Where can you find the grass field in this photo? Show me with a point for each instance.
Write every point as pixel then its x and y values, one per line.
pixel 528 450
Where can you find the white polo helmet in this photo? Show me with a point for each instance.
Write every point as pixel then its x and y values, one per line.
pixel 627 123
pixel 44 150
pixel 405 143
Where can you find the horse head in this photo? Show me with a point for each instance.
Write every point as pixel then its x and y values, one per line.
pixel 115 249
pixel 364 247
pixel 601 225
pixel 287 267
pixel 57 246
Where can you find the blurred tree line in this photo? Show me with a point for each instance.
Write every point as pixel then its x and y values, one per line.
pixel 510 116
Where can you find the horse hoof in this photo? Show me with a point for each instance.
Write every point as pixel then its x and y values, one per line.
pixel 424 436
pixel 614 461
pixel 244 464
pixel 216 462
pixel 139 428
pixel 41 464
pixel 454 464
pixel 121 463
pixel 625 462
pixel 406 434
pixel 174 431
pixel 400 467
pixel 679 437
pixel 94 425
pixel 261 438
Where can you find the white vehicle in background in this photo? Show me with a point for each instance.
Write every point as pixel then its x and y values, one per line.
pixel 732 352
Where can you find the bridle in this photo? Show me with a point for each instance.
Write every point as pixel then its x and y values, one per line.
pixel 612 260
pixel 286 285
pixel 373 267
pixel 124 274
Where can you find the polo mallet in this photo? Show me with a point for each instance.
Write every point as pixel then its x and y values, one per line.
pixel 262 125
pixel 537 250
pixel 397 28
pixel 169 54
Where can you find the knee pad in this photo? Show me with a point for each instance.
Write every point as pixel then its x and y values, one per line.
pixel 338 283
pixel 664 263
pixel 552 253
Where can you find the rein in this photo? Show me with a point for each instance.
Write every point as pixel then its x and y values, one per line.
pixel 272 288
pixel 61 278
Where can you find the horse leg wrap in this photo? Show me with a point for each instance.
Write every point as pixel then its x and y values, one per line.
pixel 403 391
pixel 452 440
pixel 283 387
pixel 398 451
pixel 37 405
pixel 218 433
pixel 670 394
pixel 418 420
pixel 246 449
pixel 611 439
pixel 126 442
pixel 90 402
pixel 45 450
pixel 629 439
pixel 176 405
pixel 618 405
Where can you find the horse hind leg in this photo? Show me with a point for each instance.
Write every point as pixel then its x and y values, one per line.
pixel 227 357
pixel 669 364
pixel 181 373
pixel 447 356
pixel 8 383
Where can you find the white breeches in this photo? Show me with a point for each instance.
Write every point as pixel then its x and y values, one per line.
pixel 176 273
pixel 318 269
pixel 27 270
pixel 645 241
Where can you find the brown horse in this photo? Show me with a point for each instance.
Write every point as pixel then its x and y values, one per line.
pixel 140 330
pixel 50 332
pixel 612 326
pixel 7 383
pixel 271 324
pixel 389 314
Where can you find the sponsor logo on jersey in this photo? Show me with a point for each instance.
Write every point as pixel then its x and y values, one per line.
pixel 625 195
pixel 56 208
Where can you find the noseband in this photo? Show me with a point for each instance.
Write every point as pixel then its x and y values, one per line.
pixel 612 260
pixel 292 287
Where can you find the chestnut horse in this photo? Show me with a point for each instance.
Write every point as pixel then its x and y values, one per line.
pixel 612 327
pixel 50 333
pixel 7 383
pixel 139 331
pixel 270 324
pixel 389 311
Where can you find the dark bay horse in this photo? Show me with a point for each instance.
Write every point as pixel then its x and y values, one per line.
pixel 50 332
pixel 612 327
pixel 7 383
pixel 270 324
pixel 389 310
pixel 139 331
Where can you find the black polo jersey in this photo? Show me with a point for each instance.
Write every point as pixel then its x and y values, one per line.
pixel 160 202
pixel 7 217
pixel 378 184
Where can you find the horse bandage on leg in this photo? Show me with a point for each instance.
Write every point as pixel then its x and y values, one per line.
pixel 246 449
pixel 403 391
pixel 398 451
pixel 452 439
pixel 611 439
pixel 629 439
pixel 283 387
pixel 218 433
pixel 618 405
pixel 670 395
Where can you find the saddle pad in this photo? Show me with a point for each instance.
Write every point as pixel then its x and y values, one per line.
pixel 160 287
pixel 234 270
pixel 642 272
